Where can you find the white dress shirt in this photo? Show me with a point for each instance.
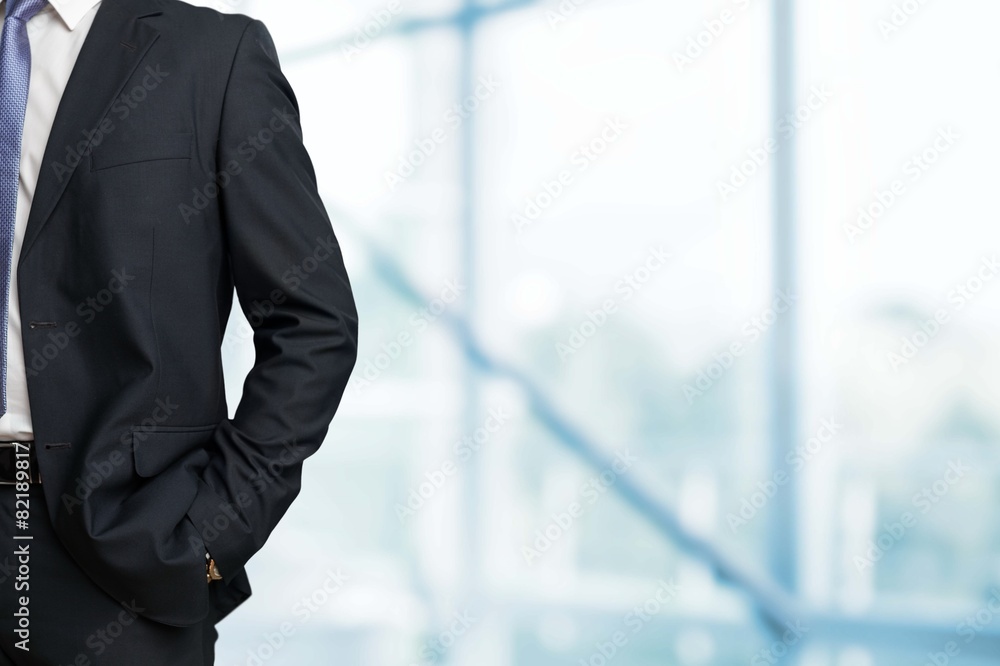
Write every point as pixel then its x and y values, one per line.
pixel 56 35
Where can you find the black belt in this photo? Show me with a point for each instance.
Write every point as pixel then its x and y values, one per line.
pixel 18 463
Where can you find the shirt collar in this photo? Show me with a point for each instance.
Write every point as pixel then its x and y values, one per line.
pixel 72 11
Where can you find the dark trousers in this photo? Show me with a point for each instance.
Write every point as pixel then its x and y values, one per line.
pixel 71 621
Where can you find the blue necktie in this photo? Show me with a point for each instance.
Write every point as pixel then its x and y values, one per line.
pixel 15 73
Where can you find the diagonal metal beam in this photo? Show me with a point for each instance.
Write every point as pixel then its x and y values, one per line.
pixel 769 596
pixel 774 604
pixel 769 599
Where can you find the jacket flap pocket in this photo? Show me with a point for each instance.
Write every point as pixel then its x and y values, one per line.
pixel 157 448
pixel 141 149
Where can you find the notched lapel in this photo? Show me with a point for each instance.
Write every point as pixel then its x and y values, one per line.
pixel 117 43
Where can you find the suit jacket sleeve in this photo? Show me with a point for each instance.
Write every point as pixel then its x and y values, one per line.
pixel 292 285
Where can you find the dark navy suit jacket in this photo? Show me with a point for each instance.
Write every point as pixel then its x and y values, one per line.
pixel 174 173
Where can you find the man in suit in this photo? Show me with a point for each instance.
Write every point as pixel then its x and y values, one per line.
pixel 151 163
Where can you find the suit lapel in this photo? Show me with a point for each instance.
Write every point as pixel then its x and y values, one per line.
pixel 116 44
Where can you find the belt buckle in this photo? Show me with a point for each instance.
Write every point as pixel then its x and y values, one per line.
pixel 13 445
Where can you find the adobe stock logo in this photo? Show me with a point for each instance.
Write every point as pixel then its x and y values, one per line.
pixel 901 14
pixel 968 630
pixel 438 646
pixel 636 620
pixel 593 490
pixel 123 107
pixel 585 156
pixel 796 460
pixel 926 500
pixel 713 29
pixel 785 128
pixel 959 297
pixel 563 12
pixel 453 119
pixel 420 321
pixel 243 156
pixel 58 340
pixel 781 648
pixel 463 450
pixel 914 169
pixel 363 35
pixel 304 610
pixel 630 284
pixel 752 330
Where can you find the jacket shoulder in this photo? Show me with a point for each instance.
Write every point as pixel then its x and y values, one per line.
pixel 197 24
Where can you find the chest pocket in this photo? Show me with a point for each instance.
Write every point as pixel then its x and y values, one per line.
pixel 136 150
